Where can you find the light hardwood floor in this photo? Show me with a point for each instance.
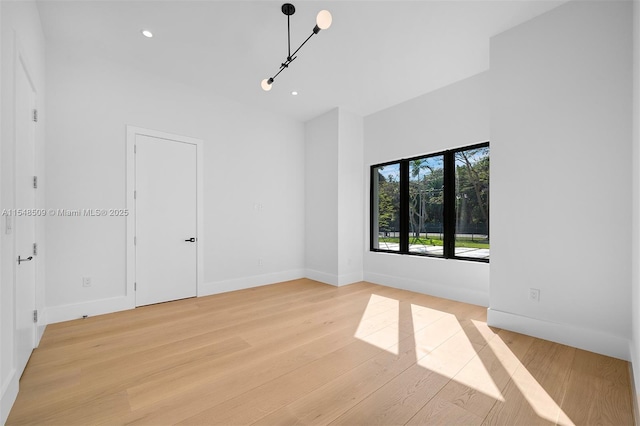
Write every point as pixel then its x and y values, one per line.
pixel 302 352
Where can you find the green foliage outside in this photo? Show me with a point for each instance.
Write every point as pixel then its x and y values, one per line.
pixel 472 188
pixel 460 242
pixel 426 178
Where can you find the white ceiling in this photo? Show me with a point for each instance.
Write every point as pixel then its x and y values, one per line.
pixel 375 55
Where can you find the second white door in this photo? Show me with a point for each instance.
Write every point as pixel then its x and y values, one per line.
pixel 165 220
pixel 25 296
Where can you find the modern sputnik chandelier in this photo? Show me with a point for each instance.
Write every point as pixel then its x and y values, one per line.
pixel 323 21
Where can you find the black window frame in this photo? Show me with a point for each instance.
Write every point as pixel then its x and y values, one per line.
pixel 449 209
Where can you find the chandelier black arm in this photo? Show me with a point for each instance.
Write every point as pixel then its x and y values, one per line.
pixel 288 37
pixel 291 56
pixel 303 43
pixel 282 67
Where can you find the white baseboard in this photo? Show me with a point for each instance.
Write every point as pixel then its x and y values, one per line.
pixel 428 287
pixel 9 395
pixel 582 338
pixel 56 314
pixel 323 277
pixel 333 279
pixel 346 279
pixel 224 286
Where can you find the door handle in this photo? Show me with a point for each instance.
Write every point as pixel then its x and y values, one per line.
pixel 24 260
pixel 191 240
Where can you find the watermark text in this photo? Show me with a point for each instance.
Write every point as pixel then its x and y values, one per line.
pixel 65 212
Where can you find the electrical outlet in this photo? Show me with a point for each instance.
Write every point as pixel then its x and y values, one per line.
pixel 86 281
pixel 534 294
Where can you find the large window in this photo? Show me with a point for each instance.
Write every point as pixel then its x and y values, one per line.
pixel 387 207
pixel 434 205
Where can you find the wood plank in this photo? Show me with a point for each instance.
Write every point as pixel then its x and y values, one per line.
pixel 240 380
pixel 480 384
pixel 306 352
pixel 253 405
pixel 114 378
pixel 397 401
pixel 442 412
pixel 604 381
pixel 535 392
pixel 300 332
pixel 329 401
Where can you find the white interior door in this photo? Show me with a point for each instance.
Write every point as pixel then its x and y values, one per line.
pixel 24 225
pixel 166 218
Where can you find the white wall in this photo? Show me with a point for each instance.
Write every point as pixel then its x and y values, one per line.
pixel 561 176
pixel 321 201
pixel 334 198
pixel 4 306
pixel 253 194
pixel 350 197
pixel 20 27
pixel 454 116
pixel 635 225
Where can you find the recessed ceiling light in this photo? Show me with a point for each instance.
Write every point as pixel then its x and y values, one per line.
pixel 147 33
pixel 294 93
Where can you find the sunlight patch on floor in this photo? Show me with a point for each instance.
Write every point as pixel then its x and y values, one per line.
pixel 379 323
pixel 451 356
pixel 477 375
pixel 435 334
pixel 539 400
pixel 444 346
pixel 422 317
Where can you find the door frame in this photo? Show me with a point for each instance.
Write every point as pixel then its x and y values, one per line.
pixel 132 132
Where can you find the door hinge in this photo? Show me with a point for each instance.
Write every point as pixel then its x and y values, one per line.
pixel 135 195
pixel 135 241
pixel 135 286
pixel 35 249
pixel 135 149
pixel 35 115
pixel 35 182
pixel 35 316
